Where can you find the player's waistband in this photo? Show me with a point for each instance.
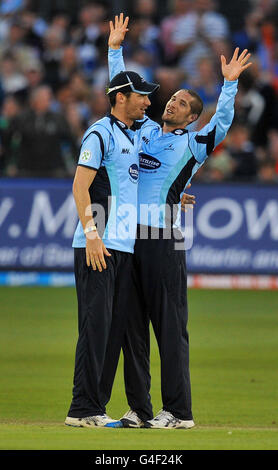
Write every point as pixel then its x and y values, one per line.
pixel 146 232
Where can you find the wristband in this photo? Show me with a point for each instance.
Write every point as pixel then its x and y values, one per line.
pixel 92 228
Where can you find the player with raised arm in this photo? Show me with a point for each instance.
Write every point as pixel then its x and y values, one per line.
pixel 170 155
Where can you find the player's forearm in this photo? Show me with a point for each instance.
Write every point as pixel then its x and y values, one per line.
pixel 211 135
pixel 83 205
pixel 115 62
pixel 224 115
pixel 225 110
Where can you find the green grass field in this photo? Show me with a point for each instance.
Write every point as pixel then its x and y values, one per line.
pixel 234 373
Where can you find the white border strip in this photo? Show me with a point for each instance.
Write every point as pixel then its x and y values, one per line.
pixel 55 279
pixel 233 281
pixel 194 281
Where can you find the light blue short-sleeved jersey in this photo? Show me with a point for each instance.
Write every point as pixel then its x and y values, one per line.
pixel 168 161
pixel 109 147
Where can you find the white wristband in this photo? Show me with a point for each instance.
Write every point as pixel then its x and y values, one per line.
pixel 92 228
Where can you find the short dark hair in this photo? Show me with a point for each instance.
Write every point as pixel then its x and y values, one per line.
pixel 197 104
pixel 112 96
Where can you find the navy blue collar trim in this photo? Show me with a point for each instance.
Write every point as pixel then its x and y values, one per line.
pixel 121 125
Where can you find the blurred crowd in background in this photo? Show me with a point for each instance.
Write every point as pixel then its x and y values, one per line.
pixel 53 62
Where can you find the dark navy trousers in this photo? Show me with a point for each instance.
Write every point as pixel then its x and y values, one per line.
pixel 102 315
pixel 158 295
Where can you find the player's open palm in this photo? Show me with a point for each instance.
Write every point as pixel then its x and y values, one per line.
pixel 233 69
pixel 118 30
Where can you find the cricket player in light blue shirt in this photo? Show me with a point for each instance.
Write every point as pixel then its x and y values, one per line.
pixel 105 192
pixel 169 157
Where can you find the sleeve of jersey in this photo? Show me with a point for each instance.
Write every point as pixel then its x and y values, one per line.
pixel 202 143
pixel 93 148
pixel 115 62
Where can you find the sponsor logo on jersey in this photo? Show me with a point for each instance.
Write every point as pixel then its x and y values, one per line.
pixel 170 147
pixel 86 156
pixel 148 162
pixel 134 171
pixel 125 151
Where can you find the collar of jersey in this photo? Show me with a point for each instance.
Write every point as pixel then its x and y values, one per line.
pixel 114 120
pixel 179 131
pixel 129 133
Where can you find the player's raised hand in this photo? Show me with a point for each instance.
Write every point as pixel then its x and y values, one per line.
pixel 236 66
pixel 118 30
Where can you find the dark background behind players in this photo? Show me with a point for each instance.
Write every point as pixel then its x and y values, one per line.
pixel 62 44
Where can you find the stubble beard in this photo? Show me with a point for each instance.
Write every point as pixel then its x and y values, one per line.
pixel 168 122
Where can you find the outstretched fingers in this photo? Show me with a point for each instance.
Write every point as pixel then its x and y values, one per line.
pixel 242 58
pixel 125 25
pixel 242 55
pixel 120 22
pixel 235 55
pixel 245 59
pixel 121 19
pixel 246 66
pixel 223 60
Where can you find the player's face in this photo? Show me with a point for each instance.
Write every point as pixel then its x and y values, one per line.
pixel 178 111
pixel 136 105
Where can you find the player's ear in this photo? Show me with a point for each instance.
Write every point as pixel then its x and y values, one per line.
pixel 120 98
pixel 193 117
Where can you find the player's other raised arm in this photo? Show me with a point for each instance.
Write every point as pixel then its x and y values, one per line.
pixel 118 30
pixel 202 143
